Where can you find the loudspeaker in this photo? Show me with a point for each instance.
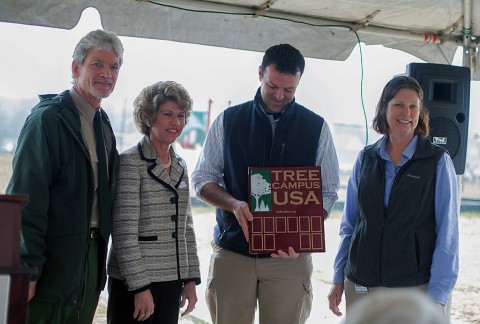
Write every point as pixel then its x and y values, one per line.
pixel 446 91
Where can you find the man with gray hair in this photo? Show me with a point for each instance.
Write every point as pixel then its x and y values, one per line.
pixel 65 162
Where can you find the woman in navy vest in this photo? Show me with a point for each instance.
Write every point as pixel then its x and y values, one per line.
pixel 400 222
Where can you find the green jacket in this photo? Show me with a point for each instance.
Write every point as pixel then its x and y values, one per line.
pixel 52 166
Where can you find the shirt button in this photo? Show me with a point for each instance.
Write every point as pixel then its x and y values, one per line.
pixel 174 234
pixel 173 200
pixel 174 217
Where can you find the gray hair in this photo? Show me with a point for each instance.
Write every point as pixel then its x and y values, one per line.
pixel 149 100
pixel 399 306
pixel 98 40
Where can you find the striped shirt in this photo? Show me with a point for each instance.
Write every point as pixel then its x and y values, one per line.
pixel 210 163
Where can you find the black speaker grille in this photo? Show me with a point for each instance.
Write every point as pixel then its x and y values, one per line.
pixel 445 133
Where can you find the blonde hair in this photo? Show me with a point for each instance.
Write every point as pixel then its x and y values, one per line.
pixel 149 100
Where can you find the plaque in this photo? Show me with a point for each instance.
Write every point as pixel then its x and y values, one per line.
pixel 287 208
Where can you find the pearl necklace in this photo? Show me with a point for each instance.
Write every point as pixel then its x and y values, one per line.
pixel 168 164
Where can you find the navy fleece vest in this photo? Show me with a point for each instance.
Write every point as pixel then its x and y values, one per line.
pixel 249 142
pixel 394 247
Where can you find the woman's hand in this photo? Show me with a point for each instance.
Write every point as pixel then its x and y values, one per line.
pixel 189 293
pixel 335 298
pixel 442 309
pixel 144 305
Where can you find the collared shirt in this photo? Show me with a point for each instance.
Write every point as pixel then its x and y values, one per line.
pixel 87 113
pixel 444 269
pixel 210 164
pixel 272 117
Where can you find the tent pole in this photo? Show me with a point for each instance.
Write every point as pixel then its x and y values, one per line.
pixel 467 59
pixel 467 32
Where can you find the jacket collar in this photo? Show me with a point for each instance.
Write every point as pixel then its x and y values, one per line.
pixel 419 148
pixel 156 169
pixel 67 113
pixel 259 104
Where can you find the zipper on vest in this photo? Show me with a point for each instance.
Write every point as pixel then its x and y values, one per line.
pixel 282 152
pixel 381 252
pixel 384 216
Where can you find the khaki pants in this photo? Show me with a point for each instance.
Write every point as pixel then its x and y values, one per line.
pixel 281 287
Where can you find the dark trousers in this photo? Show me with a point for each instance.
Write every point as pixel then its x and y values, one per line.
pixel 166 297
pixel 40 312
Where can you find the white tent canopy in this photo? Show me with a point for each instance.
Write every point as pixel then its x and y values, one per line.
pixel 431 30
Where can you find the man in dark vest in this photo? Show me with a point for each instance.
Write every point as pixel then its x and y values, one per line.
pixel 270 130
